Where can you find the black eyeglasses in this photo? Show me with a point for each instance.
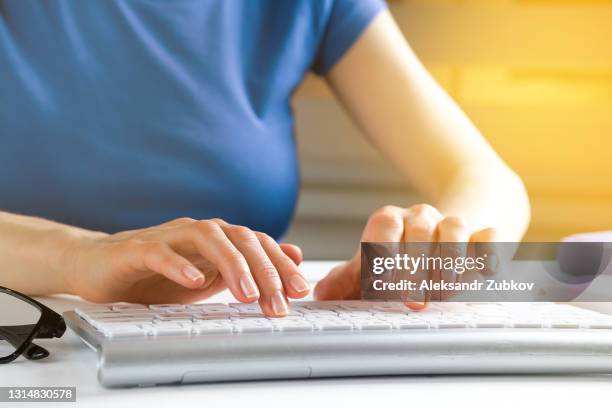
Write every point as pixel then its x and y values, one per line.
pixel 23 319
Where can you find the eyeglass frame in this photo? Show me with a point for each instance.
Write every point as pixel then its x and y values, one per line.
pixel 49 325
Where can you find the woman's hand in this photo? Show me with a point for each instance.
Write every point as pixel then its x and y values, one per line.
pixel 419 223
pixel 183 261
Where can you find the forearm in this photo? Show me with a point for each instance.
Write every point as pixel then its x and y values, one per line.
pixel 422 132
pixel 32 253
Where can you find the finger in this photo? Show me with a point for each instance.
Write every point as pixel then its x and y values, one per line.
pixel 454 236
pixel 160 258
pixel 337 285
pixel 272 300
pixel 417 306
pixel 483 242
pixel 420 222
pixel 294 252
pixel 207 239
pixel 343 282
pixel 385 225
pixel 485 235
pixel 296 286
pixel 214 245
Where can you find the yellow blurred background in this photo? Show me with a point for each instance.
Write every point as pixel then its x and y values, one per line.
pixel 536 78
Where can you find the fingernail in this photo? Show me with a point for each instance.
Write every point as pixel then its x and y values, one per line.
pixel 248 287
pixel 298 283
pixel 416 306
pixel 192 273
pixel 279 304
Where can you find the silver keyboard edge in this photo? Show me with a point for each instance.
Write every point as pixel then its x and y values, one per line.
pixel 260 356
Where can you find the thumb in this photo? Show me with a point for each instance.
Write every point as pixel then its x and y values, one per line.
pixel 342 282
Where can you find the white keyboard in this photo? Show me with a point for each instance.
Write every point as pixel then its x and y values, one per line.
pixel 131 321
pixel 171 344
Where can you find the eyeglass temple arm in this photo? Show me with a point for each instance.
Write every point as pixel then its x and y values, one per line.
pixel 17 335
pixel 52 329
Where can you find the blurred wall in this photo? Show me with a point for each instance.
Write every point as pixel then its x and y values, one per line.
pixel 536 78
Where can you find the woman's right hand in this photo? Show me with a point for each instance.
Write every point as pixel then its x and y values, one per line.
pixel 183 261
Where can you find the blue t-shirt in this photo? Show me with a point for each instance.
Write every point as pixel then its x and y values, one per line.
pixel 124 114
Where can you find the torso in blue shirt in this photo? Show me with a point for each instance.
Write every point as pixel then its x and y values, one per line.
pixel 124 114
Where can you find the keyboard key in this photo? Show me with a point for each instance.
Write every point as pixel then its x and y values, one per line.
pixel 355 314
pixel 246 307
pixel 193 308
pixel 372 324
pixel 166 328
pixel 394 316
pixel 289 325
pixel 252 325
pixel 216 308
pixel 139 312
pixel 331 324
pixel 250 320
pixel 425 314
pixel 124 320
pixel 391 307
pixel 322 305
pixel 317 317
pixel 253 329
pixel 103 313
pixel 313 312
pixel 409 325
pixel 128 307
pixel 356 307
pixel 120 315
pixel 174 317
pixel 117 322
pixel 201 316
pixel 124 331
pixel 84 310
pixel 167 307
pixel 212 327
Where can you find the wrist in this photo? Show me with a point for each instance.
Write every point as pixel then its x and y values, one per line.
pixel 67 245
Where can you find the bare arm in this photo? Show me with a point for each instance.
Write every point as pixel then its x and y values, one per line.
pixel 471 193
pixel 425 135
pixel 31 253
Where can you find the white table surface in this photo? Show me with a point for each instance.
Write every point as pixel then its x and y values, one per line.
pixel 73 364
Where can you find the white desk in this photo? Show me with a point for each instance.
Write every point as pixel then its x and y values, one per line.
pixel 73 364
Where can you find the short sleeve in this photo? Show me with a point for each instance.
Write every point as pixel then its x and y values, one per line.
pixel 346 21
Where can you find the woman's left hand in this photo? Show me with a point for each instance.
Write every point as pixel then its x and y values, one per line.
pixel 419 223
